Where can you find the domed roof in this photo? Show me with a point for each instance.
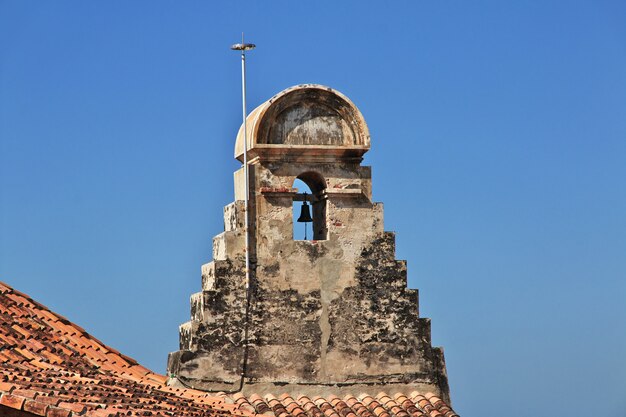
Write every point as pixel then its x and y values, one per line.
pixel 307 119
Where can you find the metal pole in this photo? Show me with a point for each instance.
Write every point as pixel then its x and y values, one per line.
pixel 245 164
pixel 243 47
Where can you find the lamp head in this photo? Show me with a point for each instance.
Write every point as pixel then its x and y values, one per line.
pixel 243 46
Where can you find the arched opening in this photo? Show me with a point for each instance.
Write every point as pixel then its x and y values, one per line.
pixel 310 186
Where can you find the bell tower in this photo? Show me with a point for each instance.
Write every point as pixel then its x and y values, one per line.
pixel 328 313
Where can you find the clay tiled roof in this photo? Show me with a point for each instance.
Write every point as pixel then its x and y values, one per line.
pixel 52 367
pixel 382 405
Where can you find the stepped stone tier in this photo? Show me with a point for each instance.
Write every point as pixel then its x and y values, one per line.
pixel 329 314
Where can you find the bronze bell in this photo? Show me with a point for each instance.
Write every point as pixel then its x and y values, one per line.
pixel 305 212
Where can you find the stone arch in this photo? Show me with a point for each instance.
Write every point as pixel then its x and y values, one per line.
pixel 314 180
pixel 303 121
pixel 308 120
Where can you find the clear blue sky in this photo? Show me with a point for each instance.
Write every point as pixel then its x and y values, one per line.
pixel 498 147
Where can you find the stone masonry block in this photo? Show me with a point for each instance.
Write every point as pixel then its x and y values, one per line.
pixel 228 245
pixel 234 216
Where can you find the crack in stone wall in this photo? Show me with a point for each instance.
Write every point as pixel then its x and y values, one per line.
pixel 326 329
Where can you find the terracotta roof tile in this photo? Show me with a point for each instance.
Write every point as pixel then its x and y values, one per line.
pixel 358 407
pixel 292 407
pixel 309 406
pixel 35 407
pixel 409 405
pixel 51 367
pixel 58 412
pixel 13 401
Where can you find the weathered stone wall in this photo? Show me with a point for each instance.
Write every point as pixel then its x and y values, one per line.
pixel 332 312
